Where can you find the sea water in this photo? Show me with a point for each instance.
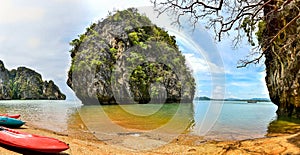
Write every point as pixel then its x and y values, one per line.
pixel 229 120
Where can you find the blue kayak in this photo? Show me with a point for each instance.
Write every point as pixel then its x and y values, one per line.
pixel 10 122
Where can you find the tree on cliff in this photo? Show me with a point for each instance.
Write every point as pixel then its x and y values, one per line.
pixel 275 23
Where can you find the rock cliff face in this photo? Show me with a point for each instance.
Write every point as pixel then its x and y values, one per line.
pixel 283 59
pixel 24 83
pixel 127 59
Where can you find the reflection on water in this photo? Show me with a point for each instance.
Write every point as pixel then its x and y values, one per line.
pixel 128 116
pixel 284 125
pixel 237 120
pixel 123 125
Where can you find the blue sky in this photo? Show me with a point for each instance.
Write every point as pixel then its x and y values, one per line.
pixel 36 34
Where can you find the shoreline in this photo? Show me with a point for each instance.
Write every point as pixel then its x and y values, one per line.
pixel 284 143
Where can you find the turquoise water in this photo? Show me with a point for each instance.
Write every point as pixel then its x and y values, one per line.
pixel 213 120
pixel 241 120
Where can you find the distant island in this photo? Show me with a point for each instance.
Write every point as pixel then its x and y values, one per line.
pixel 252 100
pixel 26 84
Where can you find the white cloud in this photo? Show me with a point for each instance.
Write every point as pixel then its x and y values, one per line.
pixel 201 65
pixel 265 90
pixel 11 12
pixel 240 84
pixel 33 42
pixel 2 39
pixel 218 92
pixel 195 55
pixel 100 8
pixel 98 5
pixel 231 95
pixel 197 64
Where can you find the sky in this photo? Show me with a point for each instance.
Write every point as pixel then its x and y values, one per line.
pixel 36 34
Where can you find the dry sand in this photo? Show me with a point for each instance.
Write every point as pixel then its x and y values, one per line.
pixel 87 144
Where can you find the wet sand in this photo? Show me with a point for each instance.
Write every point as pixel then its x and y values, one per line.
pixel 88 144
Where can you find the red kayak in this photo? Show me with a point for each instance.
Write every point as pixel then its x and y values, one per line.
pixel 31 142
pixel 11 116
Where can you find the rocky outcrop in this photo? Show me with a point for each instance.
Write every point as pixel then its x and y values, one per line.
pixel 24 83
pixel 127 59
pixel 283 57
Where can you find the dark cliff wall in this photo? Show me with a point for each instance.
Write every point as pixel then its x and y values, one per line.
pixel 127 59
pixel 24 83
pixel 283 58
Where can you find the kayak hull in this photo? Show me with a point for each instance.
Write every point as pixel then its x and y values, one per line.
pixel 10 122
pixel 11 115
pixel 31 142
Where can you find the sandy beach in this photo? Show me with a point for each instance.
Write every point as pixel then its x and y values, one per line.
pixel 87 144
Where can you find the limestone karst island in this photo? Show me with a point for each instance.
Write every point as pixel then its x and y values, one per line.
pixel 26 84
pixel 126 56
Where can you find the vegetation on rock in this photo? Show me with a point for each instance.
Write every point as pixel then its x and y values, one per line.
pixel 23 83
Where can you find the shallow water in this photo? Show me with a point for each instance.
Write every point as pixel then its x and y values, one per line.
pixel 241 120
pixel 213 120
